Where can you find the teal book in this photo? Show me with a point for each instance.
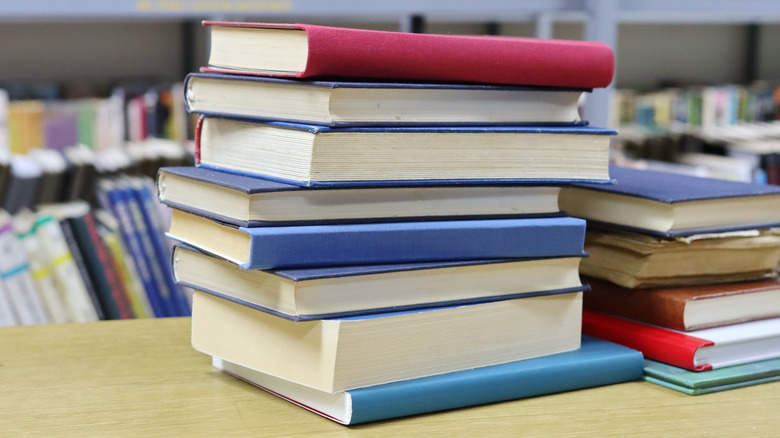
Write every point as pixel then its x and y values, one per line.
pixel 595 363
pixel 705 382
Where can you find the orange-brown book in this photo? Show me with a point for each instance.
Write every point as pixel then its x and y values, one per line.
pixel 687 308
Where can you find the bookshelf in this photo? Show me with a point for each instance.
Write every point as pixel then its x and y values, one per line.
pixel 76 380
pixel 601 20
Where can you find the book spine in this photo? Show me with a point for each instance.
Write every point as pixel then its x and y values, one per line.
pixel 43 277
pixel 150 216
pixel 139 302
pixel 365 244
pixel 70 283
pixel 131 236
pixel 655 343
pixel 644 305
pixel 81 267
pixel 444 392
pixel 7 315
pixel 118 294
pixel 15 274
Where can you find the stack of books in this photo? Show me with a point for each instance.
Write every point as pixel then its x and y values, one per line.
pixel 685 270
pixel 369 249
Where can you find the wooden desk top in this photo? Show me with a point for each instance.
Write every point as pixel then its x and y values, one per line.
pixel 142 378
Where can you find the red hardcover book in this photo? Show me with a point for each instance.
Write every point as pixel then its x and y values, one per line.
pixel 698 350
pixel 306 51
pixel 688 308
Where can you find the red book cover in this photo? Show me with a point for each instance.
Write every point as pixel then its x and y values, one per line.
pixel 371 54
pixel 657 343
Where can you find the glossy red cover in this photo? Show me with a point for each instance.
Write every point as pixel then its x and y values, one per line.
pixel 359 53
pixel 657 343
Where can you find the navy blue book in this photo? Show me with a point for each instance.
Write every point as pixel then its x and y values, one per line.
pixel 147 206
pixel 311 155
pixel 249 202
pixel 379 243
pixel 595 363
pixel 117 200
pixel 336 292
pixel 338 103
pixel 668 204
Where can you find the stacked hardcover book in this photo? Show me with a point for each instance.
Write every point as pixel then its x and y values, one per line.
pixel 371 249
pixel 685 271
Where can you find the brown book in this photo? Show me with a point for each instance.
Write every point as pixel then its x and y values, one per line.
pixel 687 308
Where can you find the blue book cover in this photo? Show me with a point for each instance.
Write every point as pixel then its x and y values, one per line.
pixel 596 363
pixel 705 382
pixel 393 103
pixel 143 197
pixel 673 204
pixel 344 291
pixel 116 200
pixel 244 198
pixel 380 243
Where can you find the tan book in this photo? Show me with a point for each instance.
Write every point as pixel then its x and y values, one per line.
pixel 637 260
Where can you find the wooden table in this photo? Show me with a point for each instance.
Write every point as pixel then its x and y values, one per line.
pixel 142 378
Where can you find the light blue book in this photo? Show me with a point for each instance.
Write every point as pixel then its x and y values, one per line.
pixel 596 363
pixel 705 382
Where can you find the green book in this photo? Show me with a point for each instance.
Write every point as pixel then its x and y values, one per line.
pixel 705 382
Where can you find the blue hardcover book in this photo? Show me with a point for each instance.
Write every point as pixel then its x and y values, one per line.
pixel 249 202
pixel 337 292
pixel 705 382
pixel 595 363
pixel 668 204
pixel 116 200
pixel 379 243
pixel 311 155
pixel 339 103
pixel 155 230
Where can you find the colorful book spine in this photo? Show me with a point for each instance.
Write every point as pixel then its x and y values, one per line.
pixel 43 276
pixel 16 276
pixel 69 281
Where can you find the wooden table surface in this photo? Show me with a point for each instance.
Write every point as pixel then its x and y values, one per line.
pixel 142 378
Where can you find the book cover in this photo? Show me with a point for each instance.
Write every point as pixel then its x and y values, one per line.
pixel 125 266
pixel 115 199
pixel 705 382
pixel 27 231
pixel 344 103
pixel 341 52
pixel 379 243
pixel 138 192
pixel 8 317
pixel 697 350
pixel 250 202
pixel 688 308
pixel 595 363
pixel 407 155
pixel 67 277
pixel 669 204
pixel 638 260
pixel 16 277
pixel 80 265
pixel 23 183
pixel 346 353
pixel 342 291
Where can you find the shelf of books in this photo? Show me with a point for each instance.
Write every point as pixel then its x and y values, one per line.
pixel 726 131
pixel 82 228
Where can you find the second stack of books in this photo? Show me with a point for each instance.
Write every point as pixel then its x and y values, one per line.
pixel 687 271
pixel 396 245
